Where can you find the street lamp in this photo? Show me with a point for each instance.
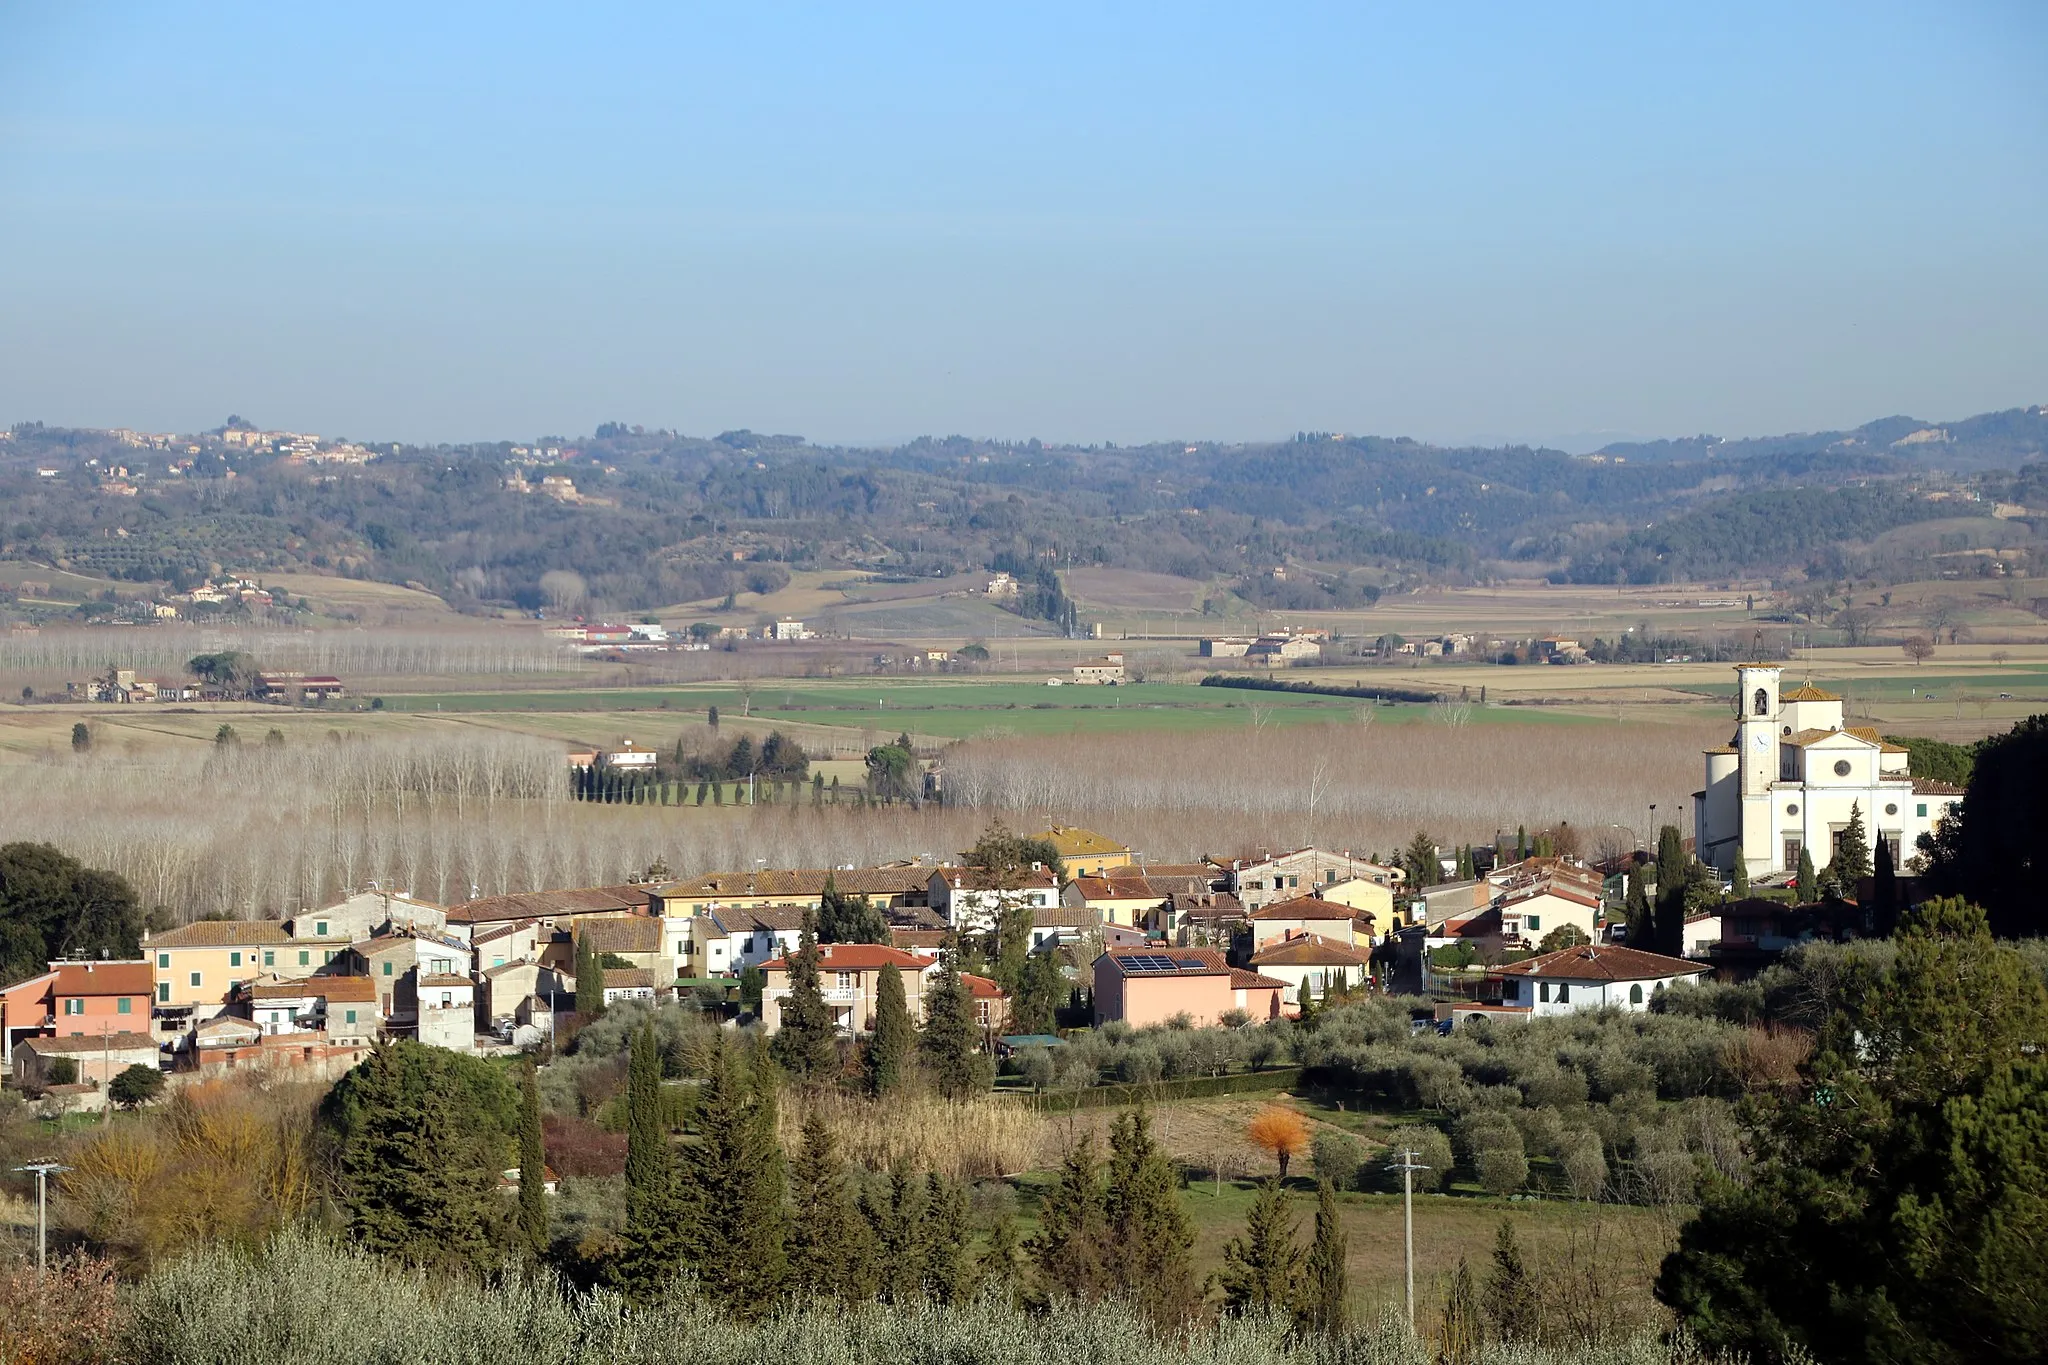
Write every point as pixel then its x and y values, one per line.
pixel 43 1171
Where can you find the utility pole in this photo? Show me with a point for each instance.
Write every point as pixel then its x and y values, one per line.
pixel 1408 1167
pixel 43 1171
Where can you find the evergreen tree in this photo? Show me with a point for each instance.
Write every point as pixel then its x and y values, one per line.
pixel 589 982
pixel 1262 1267
pixel 817 790
pixel 947 1045
pixel 1154 1242
pixel 1809 883
pixel 1674 881
pixel 703 790
pixel 1420 861
pixel 1304 1001
pixel 897 1220
pixel 944 1239
pixel 1740 888
pixel 1636 905
pixel 652 1249
pixel 533 1193
pixel 1512 1304
pixel 1884 894
pixel 734 1219
pixel 807 1044
pixel 1521 843
pixel 1851 863
pixel 1070 1247
pixel 1458 1338
pixel 849 919
pixel 888 1047
pixel 419 1180
pixel 995 1271
pixel 831 1254
pixel 1324 1284
pixel 1034 1008
pixel 711 719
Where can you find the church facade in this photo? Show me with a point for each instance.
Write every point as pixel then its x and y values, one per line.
pixel 1792 776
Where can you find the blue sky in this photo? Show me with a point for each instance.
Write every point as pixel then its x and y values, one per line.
pixel 1090 222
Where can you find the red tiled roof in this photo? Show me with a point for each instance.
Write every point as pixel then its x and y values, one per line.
pixel 857 957
pixel 217 933
pixel 1928 786
pixel 103 978
pixel 1309 950
pixel 980 987
pixel 1187 961
pixel 982 879
pixel 1117 888
pixel 1603 962
pixel 550 904
pixel 92 1042
pixel 627 978
pixel 805 882
pixel 1306 907
pixel 640 934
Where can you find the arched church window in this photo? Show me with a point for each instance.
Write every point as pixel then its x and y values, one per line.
pixel 1761 706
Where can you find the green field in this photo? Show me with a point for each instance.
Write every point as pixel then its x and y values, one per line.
pixel 954 710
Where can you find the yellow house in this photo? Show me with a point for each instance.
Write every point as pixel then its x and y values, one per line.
pixel 1083 852
pixel 1363 894
pixel 1128 901
pixel 198 966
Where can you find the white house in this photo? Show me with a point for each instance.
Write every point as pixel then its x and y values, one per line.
pixel 1793 777
pixel 969 899
pixel 1589 977
pixel 1532 912
pixel 1311 958
pixel 725 941
pixel 1308 915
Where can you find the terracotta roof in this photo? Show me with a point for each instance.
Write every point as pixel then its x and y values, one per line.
pixel 983 879
pixel 1309 950
pixel 908 939
pixel 1117 888
pixel 640 934
pixel 226 1023
pixel 1927 786
pixel 1604 962
pixel 747 919
pixel 219 933
pixel 92 1042
pixel 103 978
pixel 980 987
pixel 1071 841
pixel 1214 903
pixel 550 904
pixel 627 978
pixel 1724 749
pixel 1204 870
pixel 354 989
pixel 503 930
pixel 1064 917
pixel 1306 907
pixel 807 883
pixel 858 957
pixel 1806 737
pixel 1240 980
pixel 1575 895
pixel 1159 960
pixel 446 979
pixel 1808 692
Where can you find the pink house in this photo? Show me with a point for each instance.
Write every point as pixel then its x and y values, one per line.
pixel 1153 983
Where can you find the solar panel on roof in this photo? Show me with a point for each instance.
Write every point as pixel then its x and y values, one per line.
pixel 1149 962
pixel 1194 962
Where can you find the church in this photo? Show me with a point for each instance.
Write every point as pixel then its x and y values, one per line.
pixel 1792 773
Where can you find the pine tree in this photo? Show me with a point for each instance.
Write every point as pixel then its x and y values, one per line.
pixel 1512 1304
pixel 806 1045
pixel 947 1045
pixel 652 1246
pixel 589 982
pixel 888 1047
pixel 734 1218
pixel 897 1220
pixel 831 1254
pixel 1458 1338
pixel 1261 1268
pixel 944 1238
pixel 1070 1247
pixel 1851 862
pixel 1147 1225
pixel 1324 1284
pixel 1809 882
pixel 533 1192
pixel 1035 1006
pixel 995 1271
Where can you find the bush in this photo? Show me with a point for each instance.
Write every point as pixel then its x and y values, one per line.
pixel 1337 1157
pixel 1503 1170
pixel 1432 1149
pixel 136 1086
pixel 61 1071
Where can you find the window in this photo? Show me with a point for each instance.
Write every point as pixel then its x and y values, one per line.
pixel 387 969
pixel 1891 808
pixel 269 958
pixel 846 981
pixel 1511 989
pixel 1760 704
pixel 121 1006
pixel 234 959
pixel 350 1016
pixel 195 978
pixel 74 1007
pixel 1841 767
pixel 1922 811
pixel 305 957
pixel 1535 923
pixel 1564 991
pixel 1293 882
pixel 163 961
pixel 163 992
pixel 1792 850
pixel 327 957
pixel 1543 991
pixel 319 928
pixel 447 1000
pixel 1635 994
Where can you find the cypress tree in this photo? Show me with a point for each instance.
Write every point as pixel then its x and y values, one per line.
pixel 1809 881
pixel 1740 882
pixel 806 1045
pixel 703 790
pixel 995 1271
pixel 889 1045
pixel 1304 1001
pixel 1070 1247
pixel 1147 1226
pixel 947 1044
pixel 1674 878
pixel 533 1193
pixel 589 982
pixel 830 1251
pixel 817 790
pixel 651 1237
pixel 944 1239
pixel 1458 1338
pixel 1637 907
pixel 1851 863
pixel 1511 1300
pixel 1262 1267
pixel 1324 1283
pixel 1521 843
pixel 733 1215
pixel 1884 893
pixel 896 1217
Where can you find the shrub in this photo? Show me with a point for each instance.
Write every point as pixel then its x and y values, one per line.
pixel 1503 1170
pixel 1585 1165
pixel 1139 1065
pixel 1432 1149
pixel 1337 1157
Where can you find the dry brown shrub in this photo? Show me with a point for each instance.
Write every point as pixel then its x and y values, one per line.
pixel 976 1139
pixel 70 1316
pixel 1768 1057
